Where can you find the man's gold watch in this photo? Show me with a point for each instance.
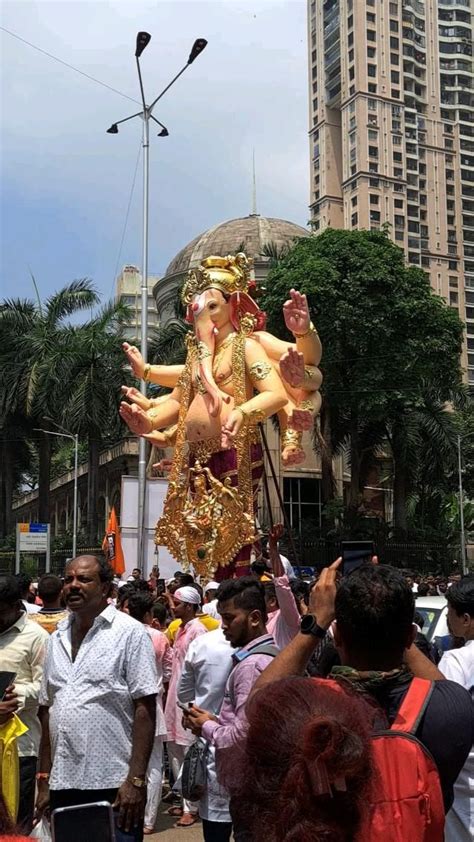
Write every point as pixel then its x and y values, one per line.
pixel 140 783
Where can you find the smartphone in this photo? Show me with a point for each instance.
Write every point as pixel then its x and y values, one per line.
pixel 160 586
pixel 84 823
pixel 6 678
pixel 184 706
pixel 355 554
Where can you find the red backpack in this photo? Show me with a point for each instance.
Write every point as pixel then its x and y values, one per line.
pixel 407 800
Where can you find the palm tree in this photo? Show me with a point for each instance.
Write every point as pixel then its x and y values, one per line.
pixel 422 435
pixel 95 365
pixel 32 381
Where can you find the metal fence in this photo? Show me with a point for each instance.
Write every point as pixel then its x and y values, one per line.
pixel 318 553
pixel 421 557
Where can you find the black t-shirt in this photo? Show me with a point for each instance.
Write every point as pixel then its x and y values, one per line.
pixel 446 729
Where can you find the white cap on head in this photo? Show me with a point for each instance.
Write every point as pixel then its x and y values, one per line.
pixel 188 594
pixel 211 586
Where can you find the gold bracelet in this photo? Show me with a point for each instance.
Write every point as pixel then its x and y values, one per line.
pixel 310 330
pixel 146 372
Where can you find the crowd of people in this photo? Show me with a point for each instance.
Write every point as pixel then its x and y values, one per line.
pixel 263 706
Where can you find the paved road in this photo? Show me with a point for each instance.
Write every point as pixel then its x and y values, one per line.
pixel 167 833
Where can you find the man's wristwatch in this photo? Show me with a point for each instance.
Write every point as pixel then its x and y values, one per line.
pixel 140 783
pixel 309 626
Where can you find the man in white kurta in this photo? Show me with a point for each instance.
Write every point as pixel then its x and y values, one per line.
pixel 207 666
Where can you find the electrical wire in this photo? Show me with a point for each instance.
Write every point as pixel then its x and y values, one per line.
pixel 70 66
pixel 124 231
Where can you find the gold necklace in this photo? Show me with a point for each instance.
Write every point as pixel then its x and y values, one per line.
pixel 220 352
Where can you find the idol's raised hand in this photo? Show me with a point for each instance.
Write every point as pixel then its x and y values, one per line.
pixel 135 418
pixel 135 359
pixel 296 313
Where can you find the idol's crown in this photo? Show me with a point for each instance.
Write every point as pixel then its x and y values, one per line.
pixel 228 274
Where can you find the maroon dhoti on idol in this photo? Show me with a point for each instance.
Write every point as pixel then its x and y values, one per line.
pixel 223 466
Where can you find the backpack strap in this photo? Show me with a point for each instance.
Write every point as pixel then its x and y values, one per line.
pixel 413 706
pixel 264 649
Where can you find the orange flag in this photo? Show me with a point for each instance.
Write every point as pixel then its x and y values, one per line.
pixel 112 545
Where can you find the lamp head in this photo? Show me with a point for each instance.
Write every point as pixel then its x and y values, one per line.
pixel 164 132
pixel 198 47
pixel 143 39
pixel 113 129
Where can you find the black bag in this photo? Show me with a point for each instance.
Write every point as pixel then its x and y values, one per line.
pixel 194 771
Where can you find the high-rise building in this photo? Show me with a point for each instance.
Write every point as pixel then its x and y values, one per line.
pixel 130 292
pixel 392 132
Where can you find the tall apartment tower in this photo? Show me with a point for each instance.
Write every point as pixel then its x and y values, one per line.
pixel 392 132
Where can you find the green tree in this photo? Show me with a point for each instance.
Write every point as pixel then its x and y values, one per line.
pixel 32 382
pixel 386 337
pixel 95 366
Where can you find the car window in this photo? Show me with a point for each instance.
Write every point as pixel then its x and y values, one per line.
pixel 431 616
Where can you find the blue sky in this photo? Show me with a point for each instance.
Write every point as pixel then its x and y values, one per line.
pixel 66 183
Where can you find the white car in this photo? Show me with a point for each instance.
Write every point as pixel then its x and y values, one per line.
pixel 434 609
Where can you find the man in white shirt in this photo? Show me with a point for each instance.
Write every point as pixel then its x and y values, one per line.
pixel 458 665
pixel 22 650
pixel 206 668
pixel 210 605
pixel 98 703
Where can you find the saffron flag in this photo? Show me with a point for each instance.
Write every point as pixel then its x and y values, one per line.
pixel 112 545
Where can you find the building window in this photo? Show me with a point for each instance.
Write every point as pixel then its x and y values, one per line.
pixel 372 70
pixel 452 265
pixel 372 104
pixel 350 39
pixel 354 201
pixel 399 221
pixel 302 501
pixel 371 52
pixel 395 77
pixel 398 173
pixel 393 26
pixel 398 157
pixel 373 152
pixel 399 235
pixel 351 72
pixel 373 182
pixel 352 90
pixel 394 58
pixel 354 219
pixel 374 216
pixel 370 35
pixel 370 17
pixel 395 94
pixel 398 203
pixel 373 134
pixel 372 89
pixel 453 281
pixel 351 55
pixel 453 299
pixel 374 200
pixel 393 8
pixel 373 167
pixel 350 22
pixel 394 43
pixel 397 140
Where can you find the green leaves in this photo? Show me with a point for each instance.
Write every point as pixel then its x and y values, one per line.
pixel 391 347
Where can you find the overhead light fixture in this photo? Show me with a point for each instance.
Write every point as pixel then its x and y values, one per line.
pixel 143 39
pixel 198 46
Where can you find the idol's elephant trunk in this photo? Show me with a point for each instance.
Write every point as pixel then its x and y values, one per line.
pixel 205 332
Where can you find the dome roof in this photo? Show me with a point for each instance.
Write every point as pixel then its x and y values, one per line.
pixel 249 233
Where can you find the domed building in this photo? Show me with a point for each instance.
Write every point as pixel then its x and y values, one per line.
pixel 249 234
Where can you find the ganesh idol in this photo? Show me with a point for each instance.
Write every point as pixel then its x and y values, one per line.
pixel 236 375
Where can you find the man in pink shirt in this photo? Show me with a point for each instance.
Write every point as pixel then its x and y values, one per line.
pixel 283 616
pixel 241 604
pixel 186 602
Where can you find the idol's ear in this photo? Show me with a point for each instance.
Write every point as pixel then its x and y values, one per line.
pixel 189 317
pixel 241 304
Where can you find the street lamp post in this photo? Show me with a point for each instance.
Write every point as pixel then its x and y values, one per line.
pixel 143 39
pixel 75 439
